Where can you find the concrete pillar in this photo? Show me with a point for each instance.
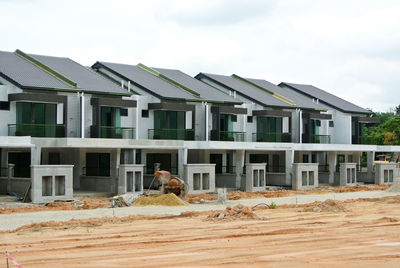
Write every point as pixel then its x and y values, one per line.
pixel 128 156
pixel 36 155
pixel 239 167
pixel 224 163
pixel 9 176
pixel 289 159
pixel 182 160
pixel 332 158
pixel 370 165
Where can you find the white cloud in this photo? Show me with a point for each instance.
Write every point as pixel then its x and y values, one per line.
pixel 350 48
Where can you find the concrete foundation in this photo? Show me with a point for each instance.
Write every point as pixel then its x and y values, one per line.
pixel 255 177
pixel 305 176
pixel 130 179
pixel 385 173
pixel 348 174
pixel 50 182
pixel 200 178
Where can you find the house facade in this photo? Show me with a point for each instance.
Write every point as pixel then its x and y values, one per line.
pixel 55 111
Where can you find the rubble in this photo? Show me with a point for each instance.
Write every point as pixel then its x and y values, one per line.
pixel 234 213
pixel 326 206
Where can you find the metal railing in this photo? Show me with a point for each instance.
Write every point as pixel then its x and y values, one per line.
pixel 36 130
pixel 171 134
pixel 272 137
pixel 117 132
pixel 231 136
pixel 320 139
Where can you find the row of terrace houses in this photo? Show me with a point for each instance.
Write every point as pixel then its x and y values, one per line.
pixel 55 111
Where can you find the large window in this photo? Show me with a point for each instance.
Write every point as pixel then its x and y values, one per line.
pixel 98 164
pixel 169 119
pixel 36 119
pixel 226 122
pixel 22 162
pixel 269 124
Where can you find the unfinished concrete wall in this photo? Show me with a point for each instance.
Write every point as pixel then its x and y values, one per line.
pixel 385 173
pixel 50 182
pixel 323 178
pixel 255 177
pixel 348 174
pixel 276 179
pixel 305 176
pixel 225 180
pixel 130 179
pixel 199 177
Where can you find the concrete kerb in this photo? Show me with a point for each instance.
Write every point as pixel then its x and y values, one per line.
pixel 15 220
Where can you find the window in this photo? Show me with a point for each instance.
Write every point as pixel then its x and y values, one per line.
pixel 98 164
pixel 145 113
pixel 4 105
pixel 249 119
pixel 169 119
pixel 234 117
pixel 331 124
pixel 36 119
pixel 22 162
pixel 163 159
pixel 124 112
pixel 318 123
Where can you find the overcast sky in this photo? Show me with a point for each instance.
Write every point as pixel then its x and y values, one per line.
pixel 349 48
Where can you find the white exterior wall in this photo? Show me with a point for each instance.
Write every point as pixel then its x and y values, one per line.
pixel 342 128
pixel 7 117
pixel 73 118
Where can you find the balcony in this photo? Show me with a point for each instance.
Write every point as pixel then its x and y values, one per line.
pixel 362 140
pixel 171 134
pixel 272 137
pixel 326 139
pixel 117 132
pixel 36 130
pixel 231 136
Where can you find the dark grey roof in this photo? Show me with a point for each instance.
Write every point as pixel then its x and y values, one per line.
pixel 300 100
pixel 26 74
pixel 325 97
pixel 247 90
pixel 206 92
pixel 152 83
pixel 86 78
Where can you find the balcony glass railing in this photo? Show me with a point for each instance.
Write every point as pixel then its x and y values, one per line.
pixel 272 137
pixel 320 139
pixel 36 130
pixel 171 134
pixel 117 132
pixel 231 136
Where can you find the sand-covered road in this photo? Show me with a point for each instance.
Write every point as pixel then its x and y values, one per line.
pixel 366 235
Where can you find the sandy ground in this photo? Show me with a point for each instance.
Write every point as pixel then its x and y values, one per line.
pixel 14 220
pixel 363 233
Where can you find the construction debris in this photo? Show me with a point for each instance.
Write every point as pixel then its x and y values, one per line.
pixel 160 200
pixel 124 200
pixel 234 213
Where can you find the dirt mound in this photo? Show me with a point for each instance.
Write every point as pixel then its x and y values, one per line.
pixel 234 213
pixel 198 197
pixel 160 200
pixel 326 206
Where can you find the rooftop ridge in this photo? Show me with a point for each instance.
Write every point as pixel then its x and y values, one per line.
pixel 45 68
pixel 279 97
pixel 167 79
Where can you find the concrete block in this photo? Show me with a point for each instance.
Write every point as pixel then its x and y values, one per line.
pixel 51 182
pixel 255 177
pixel 305 176
pixel 385 173
pixel 130 179
pixel 200 178
pixel 348 174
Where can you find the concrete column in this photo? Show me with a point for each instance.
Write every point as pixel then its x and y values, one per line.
pixel 9 176
pixel 182 160
pixel 332 158
pixel 289 159
pixel 370 165
pixel 239 167
pixel 224 163
pixel 35 155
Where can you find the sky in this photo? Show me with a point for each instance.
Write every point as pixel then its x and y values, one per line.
pixel 346 47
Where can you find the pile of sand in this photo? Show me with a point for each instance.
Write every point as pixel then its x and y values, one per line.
pixel 326 206
pixel 234 213
pixel 160 200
